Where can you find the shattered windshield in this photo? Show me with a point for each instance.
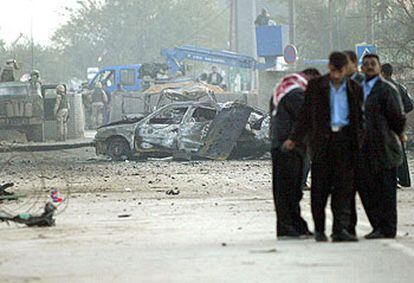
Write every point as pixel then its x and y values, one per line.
pixel 169 116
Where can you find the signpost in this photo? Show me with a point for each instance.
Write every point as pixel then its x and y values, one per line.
pixel 290 54
pixel 363 49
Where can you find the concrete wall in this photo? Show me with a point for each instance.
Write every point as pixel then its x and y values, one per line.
pixel 267 83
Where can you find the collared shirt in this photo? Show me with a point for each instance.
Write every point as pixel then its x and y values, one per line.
pixel 339 105
pixel 368 86
pixel 354 75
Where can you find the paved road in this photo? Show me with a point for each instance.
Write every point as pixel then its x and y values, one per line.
pixel 207 233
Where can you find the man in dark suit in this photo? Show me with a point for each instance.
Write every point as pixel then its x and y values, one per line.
pixel 288 166
pixel 403 171
pixel 353 74
pixel 381 152
pixel 331 118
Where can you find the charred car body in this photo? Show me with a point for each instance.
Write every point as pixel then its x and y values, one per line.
pixel 188 130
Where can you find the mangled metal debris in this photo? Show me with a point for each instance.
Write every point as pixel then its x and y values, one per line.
pixel 189 130
pixel 43 220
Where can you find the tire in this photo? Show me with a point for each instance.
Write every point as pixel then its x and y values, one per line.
pixel 35 133
pixel 118 148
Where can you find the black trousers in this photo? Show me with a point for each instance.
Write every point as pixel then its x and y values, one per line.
pixel 287 192
pixel 378 193
pixel 333 175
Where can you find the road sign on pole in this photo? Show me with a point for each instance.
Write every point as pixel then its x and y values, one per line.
pixel 290 54
pixel 364 49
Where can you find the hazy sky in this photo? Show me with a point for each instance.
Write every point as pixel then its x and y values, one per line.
pixel 15 18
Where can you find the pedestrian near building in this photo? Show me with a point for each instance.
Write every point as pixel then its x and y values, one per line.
pixel 99 104
pixel 61 111
pixel 87 105
pixel 331 119
pixel 403 171
pixel 288 165
pixel 215 78
pixel 381 150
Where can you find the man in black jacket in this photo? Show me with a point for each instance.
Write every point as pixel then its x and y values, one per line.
pixel 403 171
pixel 386 72
pixel 331 119
pixel 288 166
pixel 381 150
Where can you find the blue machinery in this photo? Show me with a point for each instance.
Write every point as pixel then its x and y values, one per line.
pixel 270 44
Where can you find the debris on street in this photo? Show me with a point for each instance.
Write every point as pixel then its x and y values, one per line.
pixel 43 220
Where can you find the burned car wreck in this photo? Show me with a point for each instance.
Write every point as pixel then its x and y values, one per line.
pixel 188 130
pixel 187 123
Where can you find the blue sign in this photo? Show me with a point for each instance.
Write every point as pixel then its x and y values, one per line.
pixel 290 54
pixel 364 49
pixel 270 41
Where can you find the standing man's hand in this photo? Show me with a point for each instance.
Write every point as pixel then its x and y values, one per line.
pixel 288 145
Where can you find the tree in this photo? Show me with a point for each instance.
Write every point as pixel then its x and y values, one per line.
pixel 395 31
pixel 131 31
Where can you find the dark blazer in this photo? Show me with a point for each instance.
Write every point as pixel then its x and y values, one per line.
pixel 282 122
pixel 407 101
pixel 314 120
pixel 384 124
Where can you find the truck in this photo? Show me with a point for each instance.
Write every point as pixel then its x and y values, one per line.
pixel 270 44
pixel 24 108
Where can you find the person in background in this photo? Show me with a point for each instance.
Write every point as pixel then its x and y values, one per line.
pixel 403 171
pixel 262 19
pixel 352 68
pixel 61 111
pixel 381 152
pixel 99 104
pixel 7 74
pixel 288 165
pixel 215 78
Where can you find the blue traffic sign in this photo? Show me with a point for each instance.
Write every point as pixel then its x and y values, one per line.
pixel 364 49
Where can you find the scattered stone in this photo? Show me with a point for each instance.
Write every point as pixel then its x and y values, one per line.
pixel 124 215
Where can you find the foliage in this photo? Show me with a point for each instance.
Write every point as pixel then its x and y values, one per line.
pixel 130 31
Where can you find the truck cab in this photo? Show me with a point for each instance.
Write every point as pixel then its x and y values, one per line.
pixel 122 77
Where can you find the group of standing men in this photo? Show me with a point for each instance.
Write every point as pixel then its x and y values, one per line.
pixel 352 126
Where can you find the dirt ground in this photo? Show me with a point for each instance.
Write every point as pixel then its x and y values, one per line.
pixel 166 221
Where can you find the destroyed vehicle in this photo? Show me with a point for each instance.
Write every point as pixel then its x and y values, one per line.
pixel 21 109
pixel 188 130
pixel 25 107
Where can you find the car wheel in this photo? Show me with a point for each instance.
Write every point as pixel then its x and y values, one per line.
pixel 118 148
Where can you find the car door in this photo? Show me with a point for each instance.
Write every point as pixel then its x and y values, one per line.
pixel 195 127
pixel 224 131
pixel 159 131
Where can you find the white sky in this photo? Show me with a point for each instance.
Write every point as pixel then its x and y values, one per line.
pixel 15 18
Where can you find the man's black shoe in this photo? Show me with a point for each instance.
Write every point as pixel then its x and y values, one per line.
pixel 290 235
pixel 320 237
pixel 344 236
pixel 377 234
pixel 352 231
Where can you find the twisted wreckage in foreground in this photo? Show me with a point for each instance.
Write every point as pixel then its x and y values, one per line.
pixel 188 130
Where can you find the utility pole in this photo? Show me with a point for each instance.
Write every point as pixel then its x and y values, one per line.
pixel 369 30
pixel 233 34
pixel 330 25
pixel 292 21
